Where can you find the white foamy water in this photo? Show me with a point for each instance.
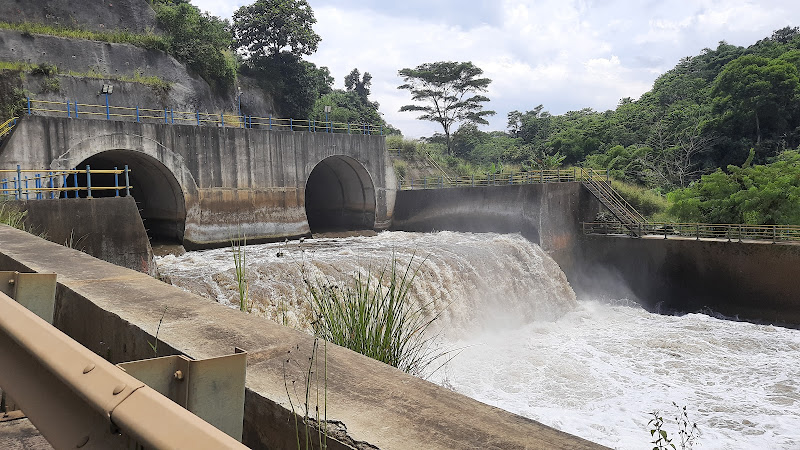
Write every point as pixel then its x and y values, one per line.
pixel 594 370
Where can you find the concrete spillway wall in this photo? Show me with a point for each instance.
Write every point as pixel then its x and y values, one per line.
pixel 750 280
pixel 115 313
pixel 202 185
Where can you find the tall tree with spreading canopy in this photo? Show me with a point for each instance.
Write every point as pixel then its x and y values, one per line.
pixel 450 91
pixel 267 27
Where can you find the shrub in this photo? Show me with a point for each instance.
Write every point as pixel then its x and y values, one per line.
pixel 400 168
pixel 646 201
pixel 376 320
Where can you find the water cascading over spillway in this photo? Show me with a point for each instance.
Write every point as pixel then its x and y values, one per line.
pixel 478 281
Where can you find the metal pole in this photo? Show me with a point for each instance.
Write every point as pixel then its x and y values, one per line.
pixel 76 109
pixel 116 182
pixel 88 182
pixel 197 115
pixel 172 116
pixel 697 231
pixel 222 119
pixel 108 109
pixel 328 120
pixel 29 106
pixel 137 114
pixel 127 182
pixel 19 182
pixel 291 124
pixel 270 121
pixel 27 193
pixel 165 115
pixel 38 185
pixel 68 108
pixel 75 181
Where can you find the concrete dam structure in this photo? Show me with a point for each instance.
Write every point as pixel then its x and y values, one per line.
pixel 201 186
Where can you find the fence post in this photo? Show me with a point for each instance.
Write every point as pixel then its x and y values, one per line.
pixel 37 184
pixel 172 116
pixel 29 106
pixel 270 121
pixel 127 182
pixel 116 182
pixel 50 183
pixel 222 119
pixel 473 180
pixel 137 114
pixel 348 127
pixel 75 182
pixel 27 193
pixel 774 233
pixel 165 115
pixel 425 183
pixel 197 116
pixel 740 233
pixel 381 130
pixel 76 109
pixel 68 108
pixel 697 231
pixel 64 186
pixel 558 174
pixel 19 182
pixel 108 109
pixel 88 182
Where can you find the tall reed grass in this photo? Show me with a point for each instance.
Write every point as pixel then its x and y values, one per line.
pixel 238 249
pixel 375 316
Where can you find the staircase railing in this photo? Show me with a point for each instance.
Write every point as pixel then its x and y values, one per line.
pixel 601 188
pixel 7 126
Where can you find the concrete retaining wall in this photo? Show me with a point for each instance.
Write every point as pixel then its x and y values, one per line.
pixel 751 280
pixel 547 214
pixel 223 181
pixel 106 228
pixel 115 312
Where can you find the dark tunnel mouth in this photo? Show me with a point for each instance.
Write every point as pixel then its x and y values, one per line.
pixel 155 189
pixel 340 196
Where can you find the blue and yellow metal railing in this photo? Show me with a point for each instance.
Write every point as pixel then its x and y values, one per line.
pixel 7 126
pixel 73 109
pixel 510 178
pixel 39 184
pixel 697 231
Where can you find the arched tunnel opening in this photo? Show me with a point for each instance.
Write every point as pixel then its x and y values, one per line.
pixel 155 189
pixel 340 196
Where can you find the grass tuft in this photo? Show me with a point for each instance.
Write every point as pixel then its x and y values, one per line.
pixel 374 316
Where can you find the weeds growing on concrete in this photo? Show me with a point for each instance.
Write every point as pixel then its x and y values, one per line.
pixel 148 41
pixel 238 248
pixel 319 420
pixel 13 217
pixel 374 316
pixel 687 430
pixel 154 346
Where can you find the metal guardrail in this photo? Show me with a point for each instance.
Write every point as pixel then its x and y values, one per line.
pixel 37 184
pixel 73 109
pixel 502 179
pixel 7 126
pixel 729 232
pixel 76 399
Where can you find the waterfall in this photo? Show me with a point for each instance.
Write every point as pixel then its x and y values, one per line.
pixel 477 281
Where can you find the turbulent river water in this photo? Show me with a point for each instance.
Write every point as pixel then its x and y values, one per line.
pixel 593 369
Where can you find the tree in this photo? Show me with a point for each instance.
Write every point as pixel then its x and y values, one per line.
pixel 293 83
pixel 267 27
pixel 355 82
pixel 450 90
pixel 756 87
pixel 199 39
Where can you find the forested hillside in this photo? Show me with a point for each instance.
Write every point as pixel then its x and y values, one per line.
pixel 729 106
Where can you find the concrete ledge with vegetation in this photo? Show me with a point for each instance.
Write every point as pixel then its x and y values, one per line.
pixel 115 312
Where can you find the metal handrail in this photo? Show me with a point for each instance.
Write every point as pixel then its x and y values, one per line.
pixel 729 232
pixel 40 184
pixel 605 190
pixel 73 109
pixel 76 399
pixel 7 126
pixel 500 179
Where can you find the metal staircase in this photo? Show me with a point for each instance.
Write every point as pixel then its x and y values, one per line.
pixel 601 188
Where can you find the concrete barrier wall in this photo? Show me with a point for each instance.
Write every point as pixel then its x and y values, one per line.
pixel 115 312
pixel 228 181
pixel 106 228
pixel 548 214
pixel 751 280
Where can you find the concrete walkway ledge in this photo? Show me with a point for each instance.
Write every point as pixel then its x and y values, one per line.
pixel 115 312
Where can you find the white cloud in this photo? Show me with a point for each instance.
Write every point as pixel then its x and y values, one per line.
pixel 564 54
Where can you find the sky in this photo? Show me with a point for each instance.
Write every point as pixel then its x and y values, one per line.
pixel 563 54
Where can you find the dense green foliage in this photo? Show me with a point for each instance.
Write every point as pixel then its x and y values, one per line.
pixel 200 40
pixel 701 117
pixel 268 27
pixel 761 194
pixel 352 105
pixel 449 93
